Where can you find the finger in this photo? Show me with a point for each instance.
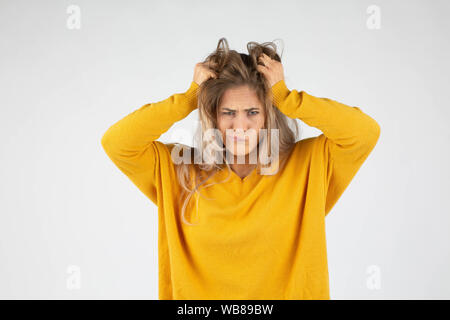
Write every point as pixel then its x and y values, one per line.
pixel 261 69
pixel 265 56
pixel 264 64
pixel 265 59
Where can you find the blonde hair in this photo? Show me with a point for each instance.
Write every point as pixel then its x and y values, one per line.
pixel 233 69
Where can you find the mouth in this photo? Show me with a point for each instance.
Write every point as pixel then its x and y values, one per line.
pixel 238 139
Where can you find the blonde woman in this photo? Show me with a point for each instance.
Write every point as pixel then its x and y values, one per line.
pixel 230 229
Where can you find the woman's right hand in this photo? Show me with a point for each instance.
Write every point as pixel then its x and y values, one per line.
pixel 202 73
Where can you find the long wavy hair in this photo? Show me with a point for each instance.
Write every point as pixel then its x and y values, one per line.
pixel 233 69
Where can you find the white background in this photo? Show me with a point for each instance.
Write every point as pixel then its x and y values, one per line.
pixel 63 202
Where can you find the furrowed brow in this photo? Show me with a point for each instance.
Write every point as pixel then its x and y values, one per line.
pixel 248 109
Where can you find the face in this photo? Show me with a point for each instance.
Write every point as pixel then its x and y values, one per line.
pixel 239 111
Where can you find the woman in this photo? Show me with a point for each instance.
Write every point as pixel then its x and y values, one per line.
pixel 258 234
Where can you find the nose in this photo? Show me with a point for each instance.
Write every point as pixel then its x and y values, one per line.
pixel 240 122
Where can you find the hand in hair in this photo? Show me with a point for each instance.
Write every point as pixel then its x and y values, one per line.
pixel 202 72
pixel 272 69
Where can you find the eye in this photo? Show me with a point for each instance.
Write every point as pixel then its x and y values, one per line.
pixel 252 113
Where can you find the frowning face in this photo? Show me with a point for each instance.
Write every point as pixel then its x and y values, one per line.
pixel 239 117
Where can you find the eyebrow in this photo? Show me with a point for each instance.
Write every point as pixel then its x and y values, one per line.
pixel 256 108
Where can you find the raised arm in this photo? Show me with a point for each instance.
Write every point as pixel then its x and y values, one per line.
pixel 349 135
pixel 131 142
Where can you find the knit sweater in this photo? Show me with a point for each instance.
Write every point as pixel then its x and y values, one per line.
pixel 257 237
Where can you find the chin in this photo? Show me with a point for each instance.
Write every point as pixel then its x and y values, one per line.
pixel 240 151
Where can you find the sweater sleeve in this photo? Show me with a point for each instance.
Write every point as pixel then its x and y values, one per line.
pixel 131 142
pixel 349 135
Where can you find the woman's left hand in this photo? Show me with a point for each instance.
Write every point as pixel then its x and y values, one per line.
pixel 272 69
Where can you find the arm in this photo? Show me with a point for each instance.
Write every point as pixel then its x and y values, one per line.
pixel 349 135
pixel 130 142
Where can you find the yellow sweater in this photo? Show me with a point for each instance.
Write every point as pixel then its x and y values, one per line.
pixel 263 237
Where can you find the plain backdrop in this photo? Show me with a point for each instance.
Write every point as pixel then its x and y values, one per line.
pixel 72 226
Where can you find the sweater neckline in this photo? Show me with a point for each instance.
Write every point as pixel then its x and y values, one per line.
pixel 246 178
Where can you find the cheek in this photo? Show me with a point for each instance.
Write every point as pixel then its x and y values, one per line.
pixel 221 124
pixel 261 121
pixel 258 123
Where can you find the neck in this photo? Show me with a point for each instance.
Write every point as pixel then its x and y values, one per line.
pixel 242 169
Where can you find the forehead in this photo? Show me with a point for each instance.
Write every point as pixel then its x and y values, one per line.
pixel 240 97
